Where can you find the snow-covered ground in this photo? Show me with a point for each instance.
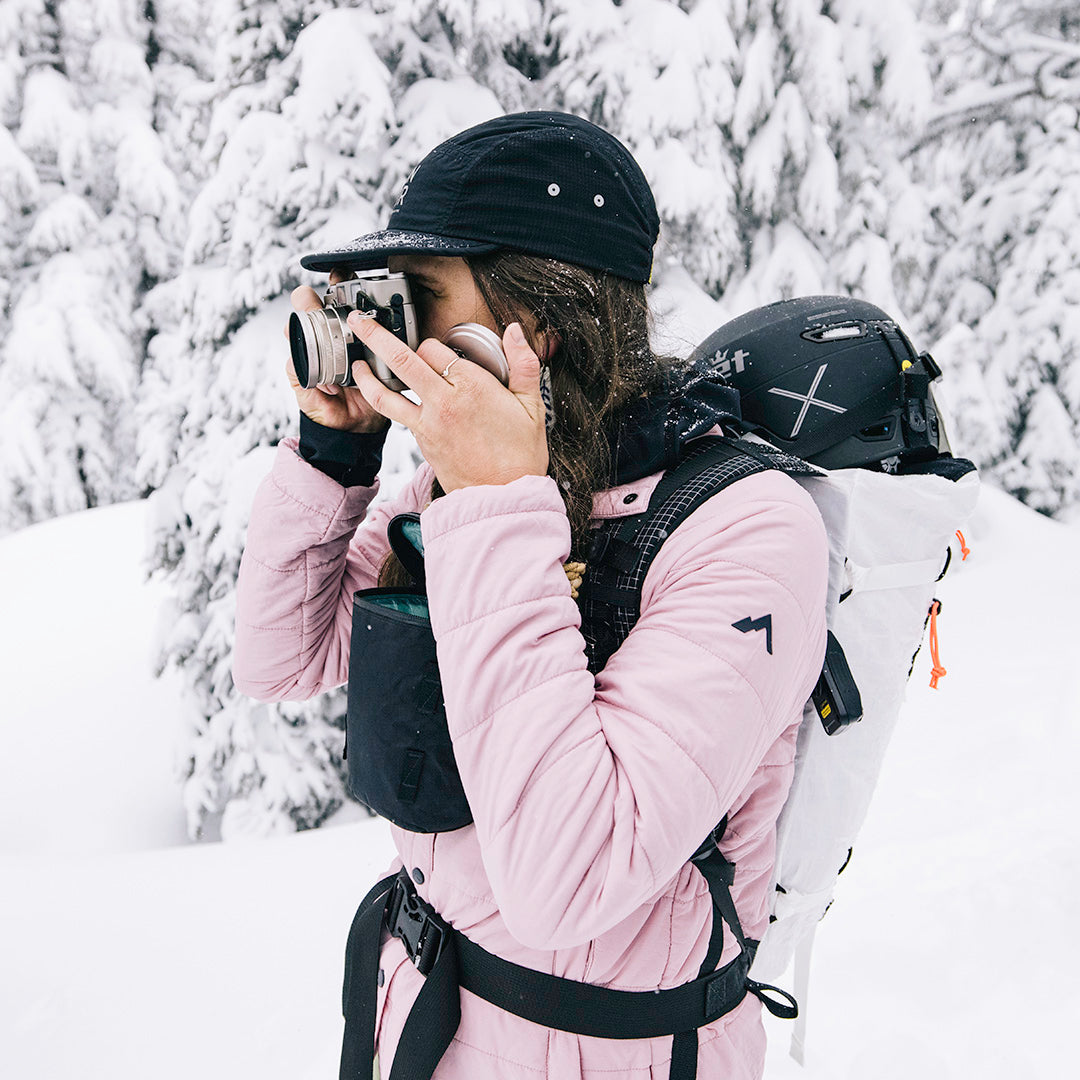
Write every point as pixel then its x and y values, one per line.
pixel 125 953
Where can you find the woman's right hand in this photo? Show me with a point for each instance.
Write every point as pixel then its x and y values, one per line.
pixel 340 407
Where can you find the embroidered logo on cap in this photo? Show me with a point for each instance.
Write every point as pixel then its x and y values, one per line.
pixel 405 187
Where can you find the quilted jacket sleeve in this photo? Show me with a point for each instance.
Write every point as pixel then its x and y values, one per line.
pixel 589 797
pixel 310 545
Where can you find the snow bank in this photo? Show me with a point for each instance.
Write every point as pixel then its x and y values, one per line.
pixel 948 953
pixel 86 732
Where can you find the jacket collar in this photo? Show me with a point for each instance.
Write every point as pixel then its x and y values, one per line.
pixel 650 434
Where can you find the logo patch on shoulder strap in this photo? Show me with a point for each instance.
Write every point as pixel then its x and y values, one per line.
pixel 745 626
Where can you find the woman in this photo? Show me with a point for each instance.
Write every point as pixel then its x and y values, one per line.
pixel 588 794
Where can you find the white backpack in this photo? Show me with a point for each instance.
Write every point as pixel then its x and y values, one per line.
pixel 835 381
pixel 890 540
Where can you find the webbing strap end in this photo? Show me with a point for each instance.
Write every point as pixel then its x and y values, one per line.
pixel 787 1009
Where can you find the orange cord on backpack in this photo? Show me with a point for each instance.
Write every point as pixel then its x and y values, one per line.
pixel 937 671
pixel 965 551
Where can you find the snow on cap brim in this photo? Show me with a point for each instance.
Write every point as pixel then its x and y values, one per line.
pixel 370 252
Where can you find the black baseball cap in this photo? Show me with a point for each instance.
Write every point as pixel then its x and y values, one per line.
pixel 543 183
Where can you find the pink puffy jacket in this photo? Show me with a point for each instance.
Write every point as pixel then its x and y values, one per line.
pixel 588 795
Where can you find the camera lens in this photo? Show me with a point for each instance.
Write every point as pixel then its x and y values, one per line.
pixel 298 347
pixel 318 341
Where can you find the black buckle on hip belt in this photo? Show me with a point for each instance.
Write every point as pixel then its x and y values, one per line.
pixel 418 926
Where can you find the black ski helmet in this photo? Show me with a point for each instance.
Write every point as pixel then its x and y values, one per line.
pixel 830 379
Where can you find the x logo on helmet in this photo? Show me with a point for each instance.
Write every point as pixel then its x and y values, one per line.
pixel 807 400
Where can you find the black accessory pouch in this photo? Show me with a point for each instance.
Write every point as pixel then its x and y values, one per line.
pixel 400 758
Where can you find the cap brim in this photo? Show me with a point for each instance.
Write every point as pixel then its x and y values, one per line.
pixel 370 252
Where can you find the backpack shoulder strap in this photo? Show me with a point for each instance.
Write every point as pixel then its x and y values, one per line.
pixel 623 549
pixel 621 554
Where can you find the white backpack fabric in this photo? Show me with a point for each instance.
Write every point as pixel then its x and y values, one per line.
pixel 889 543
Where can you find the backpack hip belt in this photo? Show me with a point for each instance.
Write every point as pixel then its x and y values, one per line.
pixel 448 960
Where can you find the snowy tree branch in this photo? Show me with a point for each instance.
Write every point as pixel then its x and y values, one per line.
pixel 993 99
pixel 1025 42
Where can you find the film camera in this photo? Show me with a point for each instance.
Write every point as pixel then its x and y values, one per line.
pixel 324 348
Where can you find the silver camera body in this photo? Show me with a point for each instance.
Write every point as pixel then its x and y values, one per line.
pixel 324 348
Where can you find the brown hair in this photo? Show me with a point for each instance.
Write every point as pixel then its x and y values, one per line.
pixel 603 361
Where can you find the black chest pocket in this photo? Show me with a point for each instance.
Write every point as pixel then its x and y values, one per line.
pixel 400 758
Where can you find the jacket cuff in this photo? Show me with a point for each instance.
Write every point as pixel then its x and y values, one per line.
pixel 349 457
pixel 329 509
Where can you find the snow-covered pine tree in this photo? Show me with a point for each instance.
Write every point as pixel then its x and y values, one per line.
pixel 28 34
pixel 765 128
pixel 312 119
pixel 276 133
pixel 90 209
pixel 1001 157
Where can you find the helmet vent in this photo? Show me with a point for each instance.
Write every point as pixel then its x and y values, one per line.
pixel 883 429
pixel 836 332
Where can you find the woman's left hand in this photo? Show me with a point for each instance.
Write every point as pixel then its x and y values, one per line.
pixel 470 428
